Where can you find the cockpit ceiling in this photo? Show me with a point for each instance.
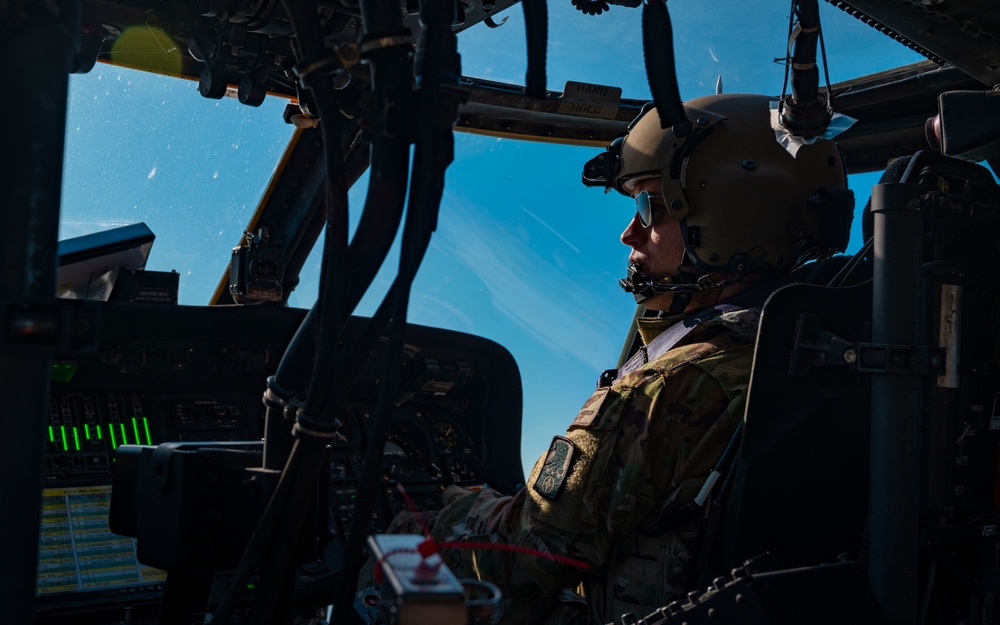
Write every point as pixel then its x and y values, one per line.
pixel 965 34
pixel 961 41
pixel 237 37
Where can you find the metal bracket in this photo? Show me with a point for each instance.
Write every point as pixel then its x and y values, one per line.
pixel 815 347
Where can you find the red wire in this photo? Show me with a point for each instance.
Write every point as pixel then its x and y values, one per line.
pixel 413 509
pixel 580 564
pixel 484 545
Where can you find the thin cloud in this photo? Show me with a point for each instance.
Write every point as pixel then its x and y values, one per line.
pixel 519 281
pixel 427 305
pixel 551 229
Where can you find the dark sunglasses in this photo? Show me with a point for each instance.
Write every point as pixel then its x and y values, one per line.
pixel 644 207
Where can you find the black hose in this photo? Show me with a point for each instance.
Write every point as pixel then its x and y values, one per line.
pixel 805 73
pixel 383 211
pixel 805 112
pixel 280 523
pixel 308 451
pixel 437 109
pixel 658 51
pixel 536 25
pixel 391 73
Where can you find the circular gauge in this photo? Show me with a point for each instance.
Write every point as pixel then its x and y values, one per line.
pixel 404 454
pixel 447 436
pixel 347 432
pixel 465 470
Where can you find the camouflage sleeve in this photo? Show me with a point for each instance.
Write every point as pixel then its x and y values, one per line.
pixel 630 445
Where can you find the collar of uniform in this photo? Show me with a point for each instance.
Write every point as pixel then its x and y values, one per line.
pixel 652 327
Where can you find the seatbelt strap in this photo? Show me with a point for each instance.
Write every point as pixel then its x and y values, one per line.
pixel 663 343
pixel 671 518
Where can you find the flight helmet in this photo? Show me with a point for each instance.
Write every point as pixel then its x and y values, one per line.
pixel 745 204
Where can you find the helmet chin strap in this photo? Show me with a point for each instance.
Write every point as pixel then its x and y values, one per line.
pixel 643 286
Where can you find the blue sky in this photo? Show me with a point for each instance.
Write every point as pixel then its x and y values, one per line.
pixel 524 254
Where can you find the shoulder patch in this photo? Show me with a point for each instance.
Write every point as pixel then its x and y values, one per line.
pixel 556 467
pixel 591 409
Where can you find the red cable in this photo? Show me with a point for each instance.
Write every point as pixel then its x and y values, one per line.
pixel 425 552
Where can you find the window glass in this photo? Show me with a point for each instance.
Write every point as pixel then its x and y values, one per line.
pixel 142 147
pixel 523 254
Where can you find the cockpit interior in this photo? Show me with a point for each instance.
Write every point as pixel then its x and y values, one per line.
pixel 338 258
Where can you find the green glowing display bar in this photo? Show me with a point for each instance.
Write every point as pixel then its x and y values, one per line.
pixel 111 430
pixel 52 434
pixel 135 428
pixel 65 444
pixel 76 439
pixel 124 435
pixel 145 425
pixel 86 431
pixel 100 435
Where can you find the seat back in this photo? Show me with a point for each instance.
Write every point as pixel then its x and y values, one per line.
pixel 798 487
pixel 808 457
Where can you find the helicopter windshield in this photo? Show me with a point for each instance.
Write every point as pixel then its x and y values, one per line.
pixel 523 254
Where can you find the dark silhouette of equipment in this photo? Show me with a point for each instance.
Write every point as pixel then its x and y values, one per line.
pixel 873 420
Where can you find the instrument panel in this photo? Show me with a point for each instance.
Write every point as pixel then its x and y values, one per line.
pixel 175 374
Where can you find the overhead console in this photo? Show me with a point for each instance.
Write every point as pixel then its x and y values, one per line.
pixel 190 375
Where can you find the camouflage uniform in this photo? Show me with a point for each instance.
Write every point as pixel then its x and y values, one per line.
pixel 645 443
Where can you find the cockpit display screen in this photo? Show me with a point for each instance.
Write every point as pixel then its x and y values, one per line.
pixel 77 552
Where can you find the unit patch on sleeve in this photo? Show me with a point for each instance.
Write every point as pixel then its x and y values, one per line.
pixel 557 463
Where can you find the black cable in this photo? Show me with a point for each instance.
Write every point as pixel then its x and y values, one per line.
pixel 788 50
pixel 434 149
pixel 805 75
pixel 826 66
pixel 265 540
pixel 333 272
pixel 391 73
pixel 804 112
pixel 382 213
pixel 536 25
pixel 658 52
pixel 845 272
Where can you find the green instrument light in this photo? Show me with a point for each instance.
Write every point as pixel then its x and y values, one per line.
pixel 76 439
pixel 100 435
pixel 86 431
pixel 63 371
pixel 135 428
pixel 65 444
pixel 52 434
pixel 111 430
pixel 145 425
pixel 124 436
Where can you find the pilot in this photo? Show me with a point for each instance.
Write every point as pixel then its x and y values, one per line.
pixel 723 214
